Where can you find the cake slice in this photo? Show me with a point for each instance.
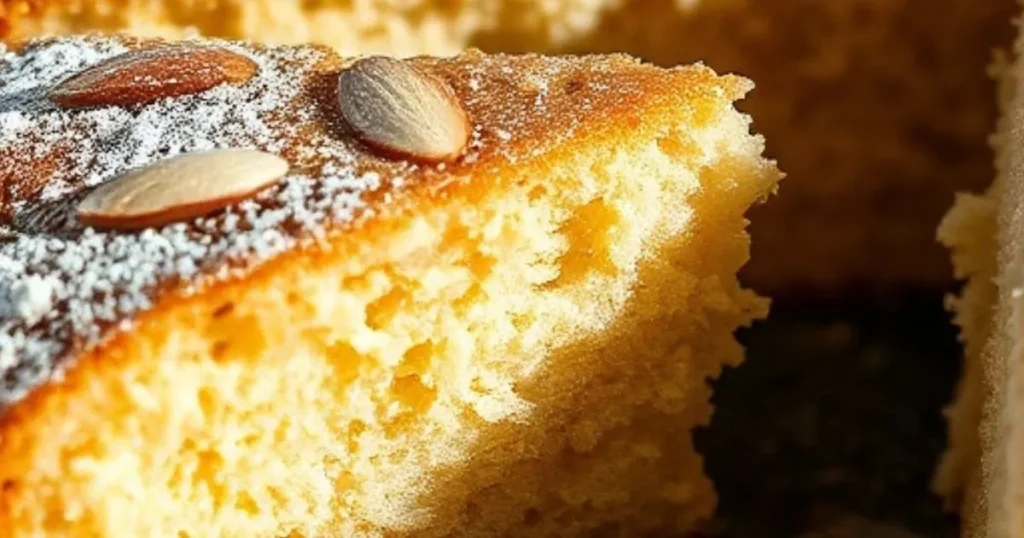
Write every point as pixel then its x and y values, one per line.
pixel 981 474
pixel 259 292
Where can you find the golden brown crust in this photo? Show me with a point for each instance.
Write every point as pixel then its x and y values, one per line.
pixel 866 121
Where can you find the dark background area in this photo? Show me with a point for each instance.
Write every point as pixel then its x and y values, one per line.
pixel 848 426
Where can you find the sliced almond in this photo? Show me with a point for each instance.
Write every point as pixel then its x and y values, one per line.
pixel 147 75
pixel 396 107
pixel 180 188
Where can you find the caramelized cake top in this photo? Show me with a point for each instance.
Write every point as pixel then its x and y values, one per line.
pixel 66 287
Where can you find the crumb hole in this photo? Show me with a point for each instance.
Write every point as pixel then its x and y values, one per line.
pixel 207 402
pixel 218 350
pixel 223 310
pixel 247 504
pixel 589 233
pixel 521 322
pixel 417 359
pixel 679 147
pixel 413 394
pixel 481 265
pixel 355 429
pixel 537 193
pixel 380 312
pixel 346 363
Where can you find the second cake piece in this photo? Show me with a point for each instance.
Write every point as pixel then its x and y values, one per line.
pixel 982 474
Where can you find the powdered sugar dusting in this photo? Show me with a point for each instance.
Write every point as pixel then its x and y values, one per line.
pixel 65 289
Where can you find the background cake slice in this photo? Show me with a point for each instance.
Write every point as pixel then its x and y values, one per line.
pixel 879 108
pixel 512 339
pixel 981 474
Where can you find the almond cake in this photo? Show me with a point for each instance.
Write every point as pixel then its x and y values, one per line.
pixel 981 474
pixel 879 109
pixel 273 292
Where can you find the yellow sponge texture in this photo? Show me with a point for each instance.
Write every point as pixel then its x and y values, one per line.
pixel 526 360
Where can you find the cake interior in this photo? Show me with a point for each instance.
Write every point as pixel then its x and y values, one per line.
pixel 529 358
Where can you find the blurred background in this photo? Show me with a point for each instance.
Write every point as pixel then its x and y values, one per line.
pixel 850 428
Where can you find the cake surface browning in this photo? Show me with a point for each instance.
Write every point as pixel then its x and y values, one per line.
pixel 49 155
pixel 513 342
pixel 879 108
